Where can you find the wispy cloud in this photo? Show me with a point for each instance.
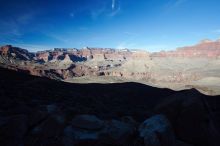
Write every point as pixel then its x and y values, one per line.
pixel 95 13
pixel 113 4
pixel 104 10
pixel 179 2
pixel 11 30
pixel 115 12
pixel 174 4
pixel 116 8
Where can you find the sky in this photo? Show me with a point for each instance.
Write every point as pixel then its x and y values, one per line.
pixel 152 25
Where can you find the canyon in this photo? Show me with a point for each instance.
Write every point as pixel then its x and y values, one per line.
pixel 195 66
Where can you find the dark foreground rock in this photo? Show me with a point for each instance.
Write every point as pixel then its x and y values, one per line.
pixel 157 131
pixel 113 132
pixel 37 111
pixel 191 118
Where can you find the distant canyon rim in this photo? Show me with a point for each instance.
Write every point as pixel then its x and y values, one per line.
pixel 195 66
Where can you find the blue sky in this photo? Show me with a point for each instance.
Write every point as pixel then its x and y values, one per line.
pixel 136 24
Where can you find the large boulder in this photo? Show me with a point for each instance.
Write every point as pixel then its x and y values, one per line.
pixel 89 129
pixel 190 118
pixel 157 131
pixel 47 132
pixel 117 132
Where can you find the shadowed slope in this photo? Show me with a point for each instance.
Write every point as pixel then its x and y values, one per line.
pixel 32 101
pixel 105 99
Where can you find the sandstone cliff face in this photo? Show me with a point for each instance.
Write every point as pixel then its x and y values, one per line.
pixel 205 48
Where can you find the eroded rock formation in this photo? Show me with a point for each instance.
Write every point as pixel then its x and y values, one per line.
pixel 181 67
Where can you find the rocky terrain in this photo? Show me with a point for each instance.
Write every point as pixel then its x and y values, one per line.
pixel 195 66
pixel 39 111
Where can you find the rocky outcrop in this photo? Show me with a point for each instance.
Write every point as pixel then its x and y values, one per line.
pixel 15 53
pixel 66 59
pixel 44 56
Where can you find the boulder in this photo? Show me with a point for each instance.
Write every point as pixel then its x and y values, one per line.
pixel 90 129
pixel 157 131
pixel 190 118
pixel 47 133
pixel 89 122
pixel 117 132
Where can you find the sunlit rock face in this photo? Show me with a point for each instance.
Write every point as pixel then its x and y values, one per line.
pixel 43 56
pixel 205 48
pixel 16 53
